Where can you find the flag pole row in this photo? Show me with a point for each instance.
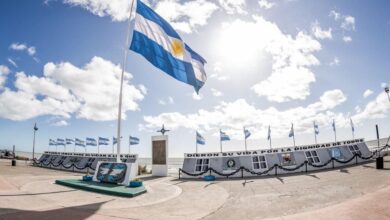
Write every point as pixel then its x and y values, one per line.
pixel 225 137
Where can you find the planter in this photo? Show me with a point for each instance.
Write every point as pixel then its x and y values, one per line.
pixel 209 178
pixel 134 184
pixel 87 178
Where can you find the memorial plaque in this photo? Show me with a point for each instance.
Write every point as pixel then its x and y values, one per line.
pixel 159 152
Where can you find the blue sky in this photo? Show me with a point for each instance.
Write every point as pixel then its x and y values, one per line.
pixel 269 62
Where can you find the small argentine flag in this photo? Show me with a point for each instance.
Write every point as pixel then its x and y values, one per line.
pixel 316 129
pixel 103 141
pixel 69 141
pixel 91 142
pixel 79 142
pixel 114 140
pixel 247 134
pixel 269 132
pixel 200 139
pixel 52 142
pixel 162 46
pixel 334 126
pixel 352 126
pixel 224 136
pixel 291 134
pixel 133 140
pixel 60 141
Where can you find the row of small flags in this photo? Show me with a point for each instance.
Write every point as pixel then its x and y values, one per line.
pixel 224 137
pixel 89 141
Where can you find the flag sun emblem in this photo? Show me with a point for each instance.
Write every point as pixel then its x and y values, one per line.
pixel 177 47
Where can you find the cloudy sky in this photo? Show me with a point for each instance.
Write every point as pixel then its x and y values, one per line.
pixel 269 62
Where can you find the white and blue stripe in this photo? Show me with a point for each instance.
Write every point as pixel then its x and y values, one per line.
pixel 103 141
pixel 60 141
pixel 224 136
pixel 133 140
pixel 200 139
pixel 79 142
pixel 247 134
pixel 91 142
pixel 52 142
pixel 155 39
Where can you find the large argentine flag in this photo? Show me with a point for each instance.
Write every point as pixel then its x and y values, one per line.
pixel 161 45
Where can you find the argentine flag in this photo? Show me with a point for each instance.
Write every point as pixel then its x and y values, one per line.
pixel 334 126
pixel 52 142
pixel 269 132
pixel 352 126
pixel 133 140
pixel 246 133
pixel 316 129
pixel 60 141
pixel 291 134
pixel 91 142
pixel 162 46
pixel 224 136
pixel 79 142
pixel 103 141
pixel 69 141
pixel 200 139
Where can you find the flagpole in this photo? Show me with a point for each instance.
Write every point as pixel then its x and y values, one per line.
pixel 129 143
pixel 245 140
pixel 220 140
pixel 315 133
pixel 121 86
pixel 74 149
pixel 293 133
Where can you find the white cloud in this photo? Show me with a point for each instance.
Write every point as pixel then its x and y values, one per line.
pixel 336 15
pixel 348 23
pixel 143 89
pixel 90 92
pixel 4 71
pixel 31 50
pixel 183 16
pixel 12 62
pixel 216 92
pixel 335 62
pixel 367 93
pixel 347 39
pixel 197 96
pixel 218 72
pixel 232 116
pixel 233 6
pixel 18 46
pixel 170 100
pixel 266 4
pixel 117 9
pixel 165 102
pixel 383 84
pixel 61 123
pixel 319 33
pixel 292 57
pixel 186 16
pixel 374 109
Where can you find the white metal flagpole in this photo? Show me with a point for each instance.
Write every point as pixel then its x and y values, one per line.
pixel 118 157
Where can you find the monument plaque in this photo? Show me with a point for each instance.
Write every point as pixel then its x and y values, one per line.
pixel 159 155
pixel 159 152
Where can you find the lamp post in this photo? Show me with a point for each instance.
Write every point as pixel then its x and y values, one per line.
pixel 35 130
pixel 387 91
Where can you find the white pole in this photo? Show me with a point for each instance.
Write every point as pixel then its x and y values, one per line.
pixel 245 140
pixel 292 126
pixel 220 140
pixel 118 157
pixel 315 133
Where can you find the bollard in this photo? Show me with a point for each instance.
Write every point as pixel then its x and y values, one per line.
pixel 13 162
pixel 379 163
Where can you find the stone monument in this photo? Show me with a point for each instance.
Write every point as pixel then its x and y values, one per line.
pixel 160 153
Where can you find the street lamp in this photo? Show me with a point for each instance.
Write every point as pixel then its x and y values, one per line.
pixel 387 91
pixel 35 130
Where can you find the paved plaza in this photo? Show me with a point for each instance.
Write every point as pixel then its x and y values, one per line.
pixel 358 192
